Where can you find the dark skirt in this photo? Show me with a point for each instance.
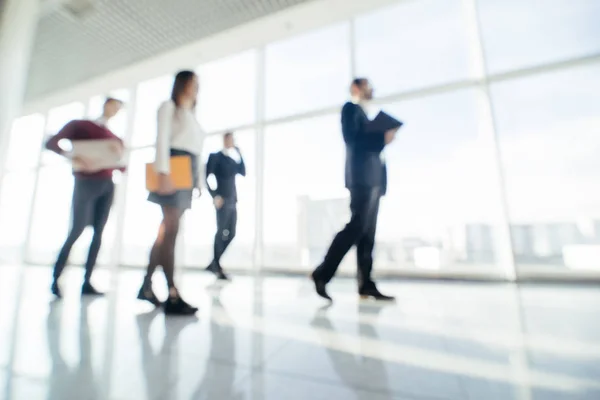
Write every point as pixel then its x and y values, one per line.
pixel 181 199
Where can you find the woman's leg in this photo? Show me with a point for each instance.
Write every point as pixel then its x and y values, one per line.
pixel 154 256
pixel 170 226
pixel 160 254
pixel 174 304
pixel 163 253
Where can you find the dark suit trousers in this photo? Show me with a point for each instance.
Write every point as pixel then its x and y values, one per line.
pixel 92 200
pixel 360 231
pixel 226 224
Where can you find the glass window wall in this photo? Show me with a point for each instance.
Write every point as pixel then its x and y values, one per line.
pixel 487 168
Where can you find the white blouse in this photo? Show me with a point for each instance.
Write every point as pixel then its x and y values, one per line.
pixel 178 129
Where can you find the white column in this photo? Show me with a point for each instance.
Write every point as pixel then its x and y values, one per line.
pixel 18 23
pixel 260 162
pixel 121 192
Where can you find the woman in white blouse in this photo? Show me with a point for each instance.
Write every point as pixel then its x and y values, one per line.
pixel 179 134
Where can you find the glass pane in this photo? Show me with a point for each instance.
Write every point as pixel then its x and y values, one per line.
pixel 52 219
pixel 25 142
pixel 228 92
pixel 57 118
pixel 15 208
pixel 118 124
pixel 308 72
pixel 549 130
pixel 522 33
pixel 200 222
pixel 150 95
pixel 9 295
pixel 51 213
pixel 142 218
pixel 95 106
pixel 428 47
pixel 442 210
pixel 298 223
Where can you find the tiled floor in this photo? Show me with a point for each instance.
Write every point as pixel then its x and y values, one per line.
pixel 272 339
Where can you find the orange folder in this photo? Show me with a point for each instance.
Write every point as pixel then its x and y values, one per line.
pixel 181 174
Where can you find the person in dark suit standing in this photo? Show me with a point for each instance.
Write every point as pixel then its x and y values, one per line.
pixel 366 179
pixel 224 165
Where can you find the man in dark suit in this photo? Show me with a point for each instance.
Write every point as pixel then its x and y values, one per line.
pixel 224 166
pixel 366 179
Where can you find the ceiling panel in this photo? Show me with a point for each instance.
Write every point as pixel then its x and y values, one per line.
pixel 81 39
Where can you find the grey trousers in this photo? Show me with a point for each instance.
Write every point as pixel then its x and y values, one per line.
pixel 92 199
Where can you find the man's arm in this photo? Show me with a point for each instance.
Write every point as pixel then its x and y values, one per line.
pixel 210 170
pixel 67 132
pixel 241 166
pixel 122 169
pixel 354 130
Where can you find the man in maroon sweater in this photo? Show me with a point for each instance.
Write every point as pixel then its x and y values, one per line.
pixel 93 192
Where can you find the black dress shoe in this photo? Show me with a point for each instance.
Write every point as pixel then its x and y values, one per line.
pixel 374 293
pixel 56 290
pixel 88 290
pixel 218 271
pixel 147 294
pixel 222 276
pixel 321 287
pixel 176 306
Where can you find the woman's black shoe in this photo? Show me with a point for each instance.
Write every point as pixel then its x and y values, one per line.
pixel 176 306
pixel 218 271
pixel 147 294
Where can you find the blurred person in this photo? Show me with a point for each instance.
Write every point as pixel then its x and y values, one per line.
pixel 92 194
pixel 224 166
pixel 366 179
pixel 179 134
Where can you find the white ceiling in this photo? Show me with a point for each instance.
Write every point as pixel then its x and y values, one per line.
pixel 104 35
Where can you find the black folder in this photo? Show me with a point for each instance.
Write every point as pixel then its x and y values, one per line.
pixel 383 122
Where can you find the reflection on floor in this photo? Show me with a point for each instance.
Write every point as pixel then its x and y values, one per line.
pixel 271 339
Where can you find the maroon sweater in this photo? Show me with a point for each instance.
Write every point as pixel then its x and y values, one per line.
pixel 83 130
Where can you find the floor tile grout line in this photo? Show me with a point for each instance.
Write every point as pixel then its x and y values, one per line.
pixel 324 381
pixel 286 343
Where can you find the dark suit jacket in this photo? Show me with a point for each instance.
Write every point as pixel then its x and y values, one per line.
pixel 224 169
pixel 364 166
